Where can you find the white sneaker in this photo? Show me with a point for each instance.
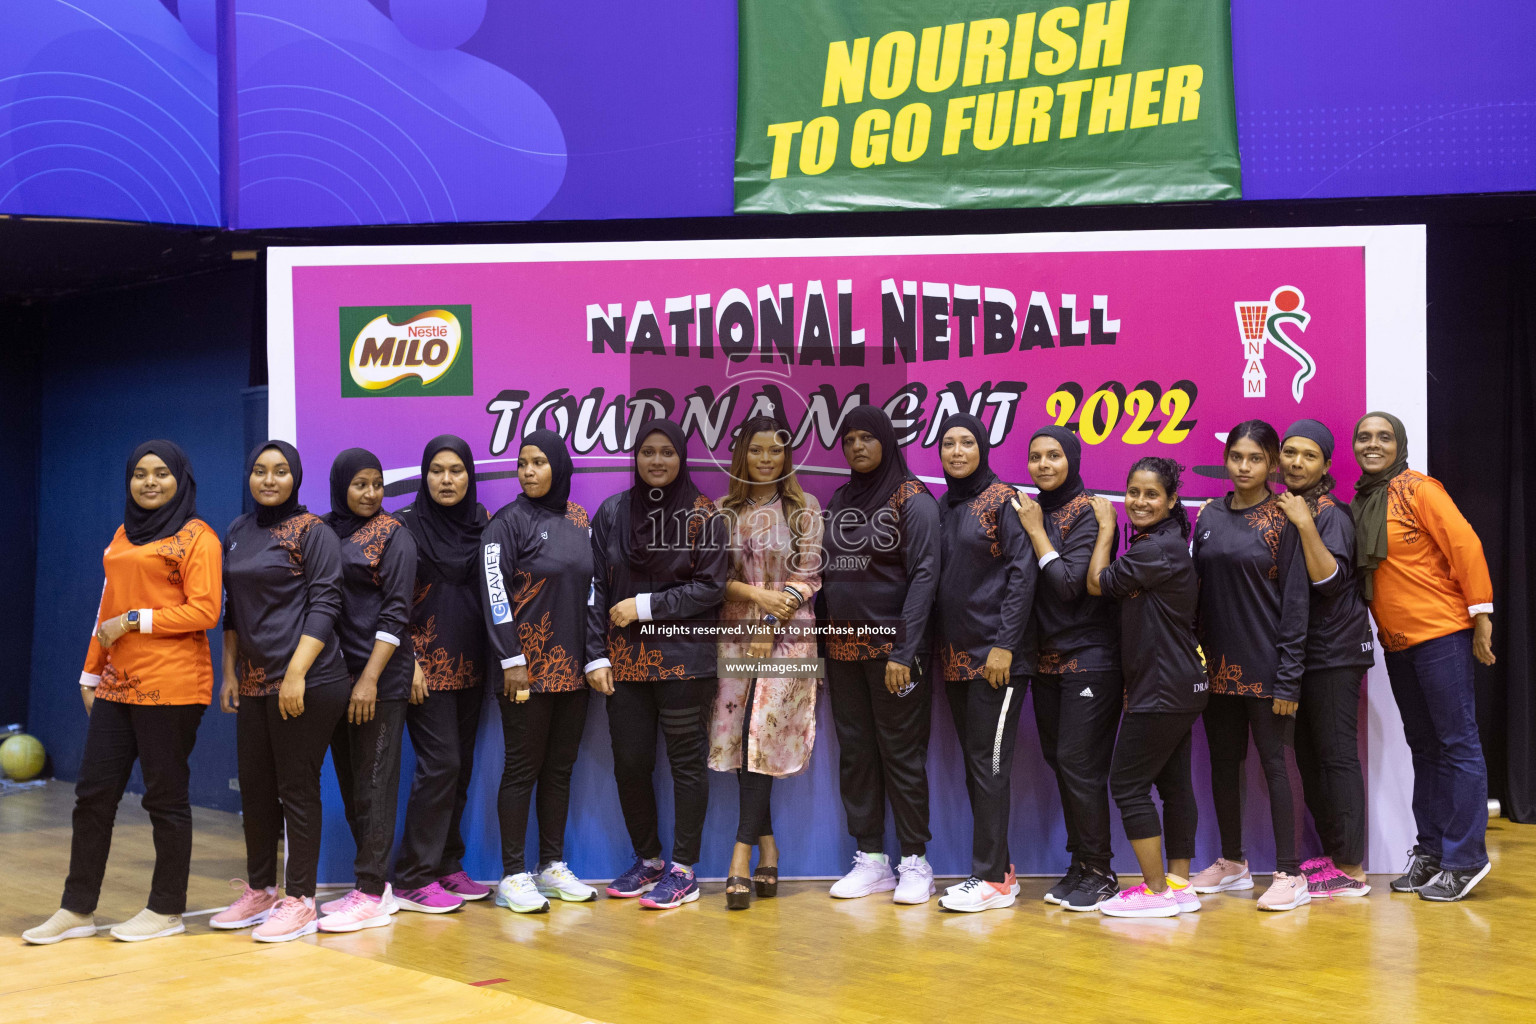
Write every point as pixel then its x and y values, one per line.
pixel 1013 888
pixel 974 895
pixel 916 883
pixel 557 882
pixel 520 895
pixel 871 874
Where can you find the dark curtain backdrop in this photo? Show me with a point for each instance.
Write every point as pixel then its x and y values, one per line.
pixel 1482 333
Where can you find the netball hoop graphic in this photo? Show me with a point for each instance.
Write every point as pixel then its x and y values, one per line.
pixel 1259 322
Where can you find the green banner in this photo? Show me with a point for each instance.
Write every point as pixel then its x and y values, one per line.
pixel 915 104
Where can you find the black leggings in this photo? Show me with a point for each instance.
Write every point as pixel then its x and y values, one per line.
pixel 442 729
pixel 1154 748
pixel 1228 722
pixel 1077 716
pixel 367 762
pixel 542 736
pixel 160 738
pixel 1328 757
pixel 280 763
pixel 681 708
pixel 882 744
pixel 756 818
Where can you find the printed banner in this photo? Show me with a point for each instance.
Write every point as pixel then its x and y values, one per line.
pixel 903 104
pixel 1143 342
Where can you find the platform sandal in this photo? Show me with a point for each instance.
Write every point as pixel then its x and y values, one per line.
pixel 738 900
pixel 766 881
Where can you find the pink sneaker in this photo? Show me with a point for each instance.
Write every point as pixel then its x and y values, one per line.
pixel 1286 892
pixel 332 906
pixel 429 899
pixel 464 887
pixel 293 918
pixel 1222 876
pixel 252 907
pixel 358 910
pixel 1141 902
pixel 1318 865
pixel 1184 895
pixel 1334 884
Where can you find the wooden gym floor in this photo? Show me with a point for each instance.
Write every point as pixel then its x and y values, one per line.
pixel 800 957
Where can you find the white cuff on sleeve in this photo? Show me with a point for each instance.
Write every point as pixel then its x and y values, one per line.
pixel 1047 558
pixel 1325 579
pixel 1480 609
pixel 593 666
pixel 388 638
pixel 146 620
pixel 86 679
pixel 514 661
pixel 643 607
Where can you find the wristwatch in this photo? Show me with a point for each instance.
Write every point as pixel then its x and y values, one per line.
pixel 132 618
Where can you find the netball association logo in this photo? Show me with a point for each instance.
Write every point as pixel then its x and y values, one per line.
pixel 1259 323
pixel 405 350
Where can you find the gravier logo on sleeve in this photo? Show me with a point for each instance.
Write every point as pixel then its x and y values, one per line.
pixel 406 350
pixel 495 585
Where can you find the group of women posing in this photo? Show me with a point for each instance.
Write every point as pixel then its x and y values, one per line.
pixel 342 631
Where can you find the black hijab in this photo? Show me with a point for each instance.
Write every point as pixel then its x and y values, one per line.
pixel 869 492
pixel 1072 486
pixel 447 537
pixel 271 515
pixel 964 488
pixel 1370 506
pixel 665 508
pixel 143 525
pixel 347 465
pixel 553 447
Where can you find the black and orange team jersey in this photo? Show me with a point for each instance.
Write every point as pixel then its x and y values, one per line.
pixel 281 583
pixel 537 569
pixel 679 607
pixel 879 576
pixel 447 621
pixel 1074 631
pixel 378 573
pixel 1155 584
pixel 1338 622
pixel 987 585
pixel 1253 602
pixel 174 584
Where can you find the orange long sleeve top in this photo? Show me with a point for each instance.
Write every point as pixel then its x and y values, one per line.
pixel 176 583
pixel 1435 577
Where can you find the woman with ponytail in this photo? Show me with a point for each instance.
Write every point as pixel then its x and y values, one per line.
pixel 1253 631
pixel 1165 688
pixel 1339 650
pixel 1424 574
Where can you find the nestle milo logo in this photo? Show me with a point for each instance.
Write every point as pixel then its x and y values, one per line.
pixel 405 350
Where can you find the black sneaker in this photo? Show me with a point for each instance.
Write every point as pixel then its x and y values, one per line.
pixel 1420 870
pixel 1450 886
pixel 1091 891
pixel 1068 884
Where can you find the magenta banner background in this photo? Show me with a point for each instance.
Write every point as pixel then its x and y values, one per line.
pixel 530 334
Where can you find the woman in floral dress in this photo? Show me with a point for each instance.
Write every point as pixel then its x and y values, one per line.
pixel 775 572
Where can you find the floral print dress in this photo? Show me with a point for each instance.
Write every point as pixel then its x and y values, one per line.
pixel 782 728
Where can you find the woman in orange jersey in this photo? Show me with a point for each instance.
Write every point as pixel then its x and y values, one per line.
pixel 148 678
pixel 1423 572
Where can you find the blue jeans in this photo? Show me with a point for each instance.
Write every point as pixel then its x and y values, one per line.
pixel 1432 683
